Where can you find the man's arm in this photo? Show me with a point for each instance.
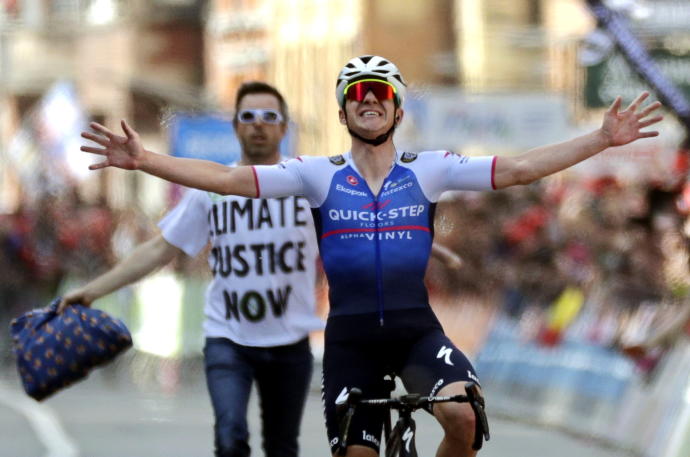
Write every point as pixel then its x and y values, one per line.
pixel 147 257
pixel 449 258
pixel 618 128
pixel 128 152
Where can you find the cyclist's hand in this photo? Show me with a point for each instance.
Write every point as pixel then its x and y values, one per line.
pixel 78 296
pixel 125 152
pixel 623 127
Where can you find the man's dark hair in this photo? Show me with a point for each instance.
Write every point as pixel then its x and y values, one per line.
pixel 258 87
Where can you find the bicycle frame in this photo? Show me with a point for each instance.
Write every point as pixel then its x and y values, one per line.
pixel 400 441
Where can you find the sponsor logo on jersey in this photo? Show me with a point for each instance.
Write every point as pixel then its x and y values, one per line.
pixel 369 216
pixel 347 190
pixel 394 189
pixel 390 184
pixel 408 157
pixel 461 157
pixel 351 180
pixel 337 160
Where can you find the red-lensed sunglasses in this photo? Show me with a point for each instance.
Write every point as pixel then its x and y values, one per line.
pixel 358 90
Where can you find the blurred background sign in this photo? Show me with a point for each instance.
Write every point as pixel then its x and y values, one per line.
pixel 444 118
pixel 614 76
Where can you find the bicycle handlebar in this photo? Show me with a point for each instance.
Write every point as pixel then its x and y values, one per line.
pixel 413 402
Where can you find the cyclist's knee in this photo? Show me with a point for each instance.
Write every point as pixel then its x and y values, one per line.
pixel 457 420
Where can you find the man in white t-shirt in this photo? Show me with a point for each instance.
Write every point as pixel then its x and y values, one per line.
pixel 260 305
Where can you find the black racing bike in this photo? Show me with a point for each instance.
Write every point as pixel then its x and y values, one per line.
pixel 400 440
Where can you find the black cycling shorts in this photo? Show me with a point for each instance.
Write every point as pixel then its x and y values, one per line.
pixel 358 352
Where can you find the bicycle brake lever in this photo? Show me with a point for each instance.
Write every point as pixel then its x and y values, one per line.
pixel 349 401
pixel 481 431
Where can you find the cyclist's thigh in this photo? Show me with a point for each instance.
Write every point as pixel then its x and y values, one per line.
pixel 435 362
pixel 346 366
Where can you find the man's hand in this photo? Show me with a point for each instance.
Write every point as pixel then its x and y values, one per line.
pixel 623 127
pixel 78 296
pixel 120 151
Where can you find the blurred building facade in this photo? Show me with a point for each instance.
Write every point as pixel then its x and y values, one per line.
pixel 145 60
pixel 136 60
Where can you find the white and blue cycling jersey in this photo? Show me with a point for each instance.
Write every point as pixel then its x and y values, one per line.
pixel 375 248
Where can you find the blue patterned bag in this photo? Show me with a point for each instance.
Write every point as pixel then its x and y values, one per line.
pixel 55 350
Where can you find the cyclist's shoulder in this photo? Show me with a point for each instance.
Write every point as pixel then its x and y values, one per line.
pixel 408 157
pixel 316 161
pixel 431 162
pixel 316 166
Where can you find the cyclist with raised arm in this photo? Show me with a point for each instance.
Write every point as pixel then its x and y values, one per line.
pixel 373 209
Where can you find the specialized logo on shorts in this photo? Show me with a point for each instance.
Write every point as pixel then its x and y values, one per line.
pixel 342 397
pixel 351 180
pixel 445 353
pixel 408 157
pixel 407 438
pixel 437 386
pixel 337 160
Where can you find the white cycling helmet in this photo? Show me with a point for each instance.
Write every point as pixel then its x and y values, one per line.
pixel 370 66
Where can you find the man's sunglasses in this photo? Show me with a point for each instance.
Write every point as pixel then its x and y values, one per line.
pixel 358 90
pixel 268 116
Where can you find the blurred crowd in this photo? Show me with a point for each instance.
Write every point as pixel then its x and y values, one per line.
pixel 609 256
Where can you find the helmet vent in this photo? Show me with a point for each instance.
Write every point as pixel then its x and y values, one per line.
pixel 366 59
pixel 382 63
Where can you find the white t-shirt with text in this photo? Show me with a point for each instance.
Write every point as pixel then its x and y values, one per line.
pixel 263 260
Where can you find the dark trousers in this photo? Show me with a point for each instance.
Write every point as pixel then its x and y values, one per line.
pixel 282 376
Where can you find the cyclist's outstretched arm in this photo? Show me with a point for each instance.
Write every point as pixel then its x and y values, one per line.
pixel 618 128
pixel 128 152
pixel 146 258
